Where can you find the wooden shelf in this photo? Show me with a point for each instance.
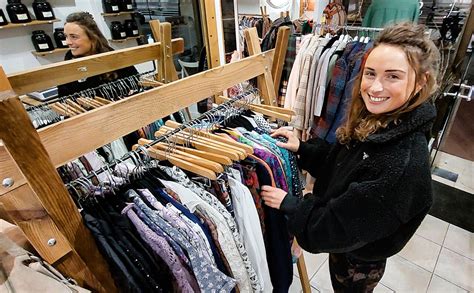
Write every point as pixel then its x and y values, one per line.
pixel 124 40
pixel 34 22
pixel 116 14
pixel 57 50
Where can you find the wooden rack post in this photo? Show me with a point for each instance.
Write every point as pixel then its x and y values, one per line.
pixel 271 80
pixel 45 212
pixel 162 34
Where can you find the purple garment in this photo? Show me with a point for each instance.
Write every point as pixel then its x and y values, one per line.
pixel 274 164
pixel 161 247
pixel 262 153
pixel 209 278
pixel 174 220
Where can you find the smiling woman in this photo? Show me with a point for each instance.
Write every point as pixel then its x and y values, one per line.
pixel 386 84
pixel 84 38
pixel 374 184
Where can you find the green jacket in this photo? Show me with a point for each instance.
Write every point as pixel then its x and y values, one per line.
pixel 384 12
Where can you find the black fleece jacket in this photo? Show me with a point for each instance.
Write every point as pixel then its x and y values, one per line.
pixel 369 197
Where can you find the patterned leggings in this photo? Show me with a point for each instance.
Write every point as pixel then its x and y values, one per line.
pixel 349 275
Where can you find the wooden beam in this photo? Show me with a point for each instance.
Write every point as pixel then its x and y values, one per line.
pixel 24 146
pixel 303 273
pixel 71 70
pixel 64 141
pixel 156 31
pixel 279 57
pixel 167 55
pixel 265 82
pixel 208 14
pixel 9 170
pixel 4 83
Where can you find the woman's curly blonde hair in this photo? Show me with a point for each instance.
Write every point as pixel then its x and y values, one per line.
pixel 423 57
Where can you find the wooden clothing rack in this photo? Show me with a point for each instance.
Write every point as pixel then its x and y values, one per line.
pixel 33 195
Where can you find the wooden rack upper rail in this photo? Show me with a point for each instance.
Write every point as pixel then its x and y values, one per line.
pixel 66 71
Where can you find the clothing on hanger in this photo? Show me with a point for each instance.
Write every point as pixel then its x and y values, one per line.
pixel 194 226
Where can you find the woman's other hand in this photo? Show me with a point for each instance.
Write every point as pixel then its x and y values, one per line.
pixel 272 196
pixel 293 143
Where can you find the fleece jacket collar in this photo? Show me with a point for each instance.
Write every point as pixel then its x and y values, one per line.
pixel 417 120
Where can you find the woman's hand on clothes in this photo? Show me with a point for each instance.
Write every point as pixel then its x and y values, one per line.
pixel 293 143
pixel 272 196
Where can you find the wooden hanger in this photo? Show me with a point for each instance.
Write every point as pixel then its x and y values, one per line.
pixel 224 145
pixel 201 146
pixel 68 108
pixel 214 139
pixel 146 81
pixel 248 149
pixel 94 102
pixel 76 106
pixel 102 100
pixel 223 160
pixel 201 143
pixel 87 103
pixel 209 164
pixel 262 110
pixel 58 108
pixel 178 161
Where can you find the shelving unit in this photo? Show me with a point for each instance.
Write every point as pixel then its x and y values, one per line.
pixel 34 22
pixel 116 14
pixel 57 50
pixel 124 40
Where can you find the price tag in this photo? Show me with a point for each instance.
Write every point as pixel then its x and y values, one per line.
pixel 135 32
pixel 115 8
pixel 47 14
pixel 129 6
pixel 43 46
pixel 123 34
pixel 1 19
pixel 22 16
pixel 64 43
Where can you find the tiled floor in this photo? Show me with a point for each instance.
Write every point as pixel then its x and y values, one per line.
pixel 439 257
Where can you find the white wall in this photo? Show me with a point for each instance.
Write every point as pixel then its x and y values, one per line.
pixel 253 7
pixel 16 45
